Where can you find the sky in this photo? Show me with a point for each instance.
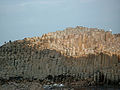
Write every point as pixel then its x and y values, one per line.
pixel 29 18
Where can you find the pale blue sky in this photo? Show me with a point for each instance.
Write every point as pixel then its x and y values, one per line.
pixel 28 18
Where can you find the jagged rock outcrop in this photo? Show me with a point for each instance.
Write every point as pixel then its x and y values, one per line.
pixel 79 52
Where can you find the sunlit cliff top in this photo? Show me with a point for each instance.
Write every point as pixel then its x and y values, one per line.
pixel 75 42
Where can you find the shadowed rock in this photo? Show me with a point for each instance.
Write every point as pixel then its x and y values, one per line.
pixel 80 54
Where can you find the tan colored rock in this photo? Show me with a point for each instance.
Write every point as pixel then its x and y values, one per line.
pixel 76 51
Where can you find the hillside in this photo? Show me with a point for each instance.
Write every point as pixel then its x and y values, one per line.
pixel 81 52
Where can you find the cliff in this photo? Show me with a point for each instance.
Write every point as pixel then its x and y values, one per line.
pixel 80 52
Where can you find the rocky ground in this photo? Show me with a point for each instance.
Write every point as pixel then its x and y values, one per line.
pixel 21 86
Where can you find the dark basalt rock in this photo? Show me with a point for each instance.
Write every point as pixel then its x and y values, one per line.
pixel 76 56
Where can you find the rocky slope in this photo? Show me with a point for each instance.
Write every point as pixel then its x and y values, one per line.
pixel 64 56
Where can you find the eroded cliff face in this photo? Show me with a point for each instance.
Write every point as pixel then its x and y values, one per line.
pixel 79 52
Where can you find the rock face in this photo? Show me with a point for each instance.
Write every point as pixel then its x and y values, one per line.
pixel 80 52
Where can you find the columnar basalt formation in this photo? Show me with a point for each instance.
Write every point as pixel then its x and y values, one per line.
pixel 81 53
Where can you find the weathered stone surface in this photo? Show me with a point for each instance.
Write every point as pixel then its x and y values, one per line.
pixel 21 86
pixel 79 52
